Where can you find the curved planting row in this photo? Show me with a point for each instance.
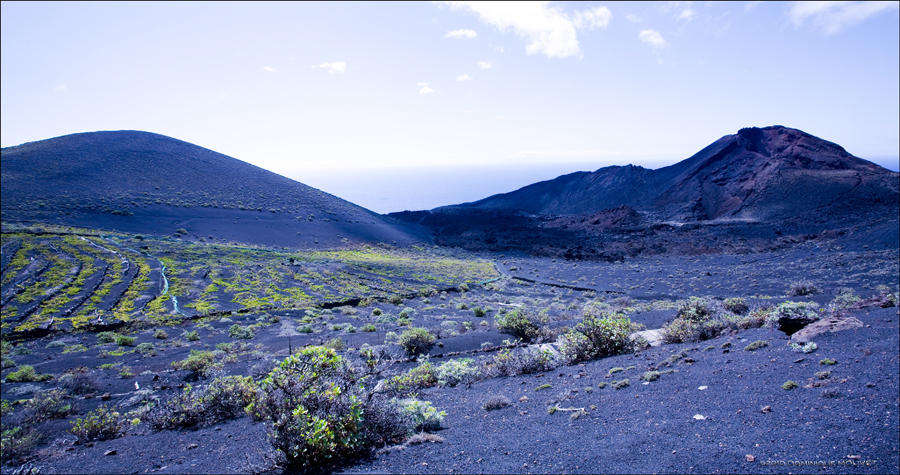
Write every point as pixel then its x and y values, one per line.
pixel 59 282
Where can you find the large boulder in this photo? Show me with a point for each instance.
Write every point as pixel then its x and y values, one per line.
pixel 828 324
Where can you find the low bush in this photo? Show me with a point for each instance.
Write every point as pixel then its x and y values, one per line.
pixel 160 335
pixel 47 405
pixel 106 337
pixel 756 345
pixel 496 402
pixel 736 305
pixel 422 415
pixel 479 312
pixel 336 344
pixel 146 349
pixel 239 332
pixel 596 337
pixel 191 335
pixel 26 374
pixel 17 442
pixel 823 361
pixel 201 363
pixel 422 376
pixel 416 341
pixel 789 385
pixel 803 287
pixel 321 409
pixel 526 360
pixel 524 325
pixel 225 398
pixel 79 381
pixel 123 340
pixel 100 424
pixel 305 329
pixel 459 371
pixel 368 328
pixel 621 384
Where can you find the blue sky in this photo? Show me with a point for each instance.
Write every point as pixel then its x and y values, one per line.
pixel 312 89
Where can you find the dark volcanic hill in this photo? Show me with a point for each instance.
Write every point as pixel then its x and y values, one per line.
pixel 141 182
pixel 776 176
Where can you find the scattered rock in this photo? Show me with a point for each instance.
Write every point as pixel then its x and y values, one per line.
pixel 750 458
pixel 703 388
pixel 191 446
pixel 766 409
pixel 523 399
pixel 110 452
pixel 829 324
pixel 105 397
pixel 700 417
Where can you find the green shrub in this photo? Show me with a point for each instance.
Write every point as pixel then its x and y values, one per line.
pixel 406 312
pixel 805 348
pixel 524 325
pixel 106 337
pixel 756 345
pixel 56 344
pixel 789 385
pixel 336 344
pixel 160 334
pixel 368 328
pixel 651 376
pixel 416 341
pixel 26 374
pixel 596 337
pixel 123 340
pixel 200 362
pixel 462 306
pixel 543 387
pixel 736 305
pixel 479 312
pixel 100 424
pixel 395 299
pixel 824 361
pixel 422 376
pixel 421 414
pixel 350 328
pixel 146 349
pixel 803 287
pixel 305 329
pixel 693 322
pixel 191 335
pixel 376 311
pixel 846 297
pixel 17 442
pixel 386 319
pixel 319 410
pixel 225 398
pixel 47 405
pixel 459 371
pixel 126 373
pixel 621 384
pixel 823 374
pixel 526 360
pixel 79 381
pixel 239 332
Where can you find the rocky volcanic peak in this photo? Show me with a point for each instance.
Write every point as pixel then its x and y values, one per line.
pixel 756 174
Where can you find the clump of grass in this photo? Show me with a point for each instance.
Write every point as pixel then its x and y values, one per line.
pixel 615 370
pixel 828 361
pixel 823 374
pixel 123 340
pixel 651 376
pixel 239 332
pixel 789 385
pixel 543 387
pixel 368 328
pixel 160 335
pixel 335 344
pixel 416 341
pixel 26 374
pixel 601 385
pixel 756 345
pixel 621 384
pixel 305 329
pixel 106 337
pixel 191 335
pixel 736 305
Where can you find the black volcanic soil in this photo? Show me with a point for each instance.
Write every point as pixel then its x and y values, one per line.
pixel 639 428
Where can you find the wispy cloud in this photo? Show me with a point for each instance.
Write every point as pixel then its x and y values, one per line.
pixel 546 29
pixel 269 69
pixel 750 6
pixel 464 77
pixel 60 88
pixel 633 18
pixel 686 14
pixel 464 34
pixel 336 67
pixel 484 64
pixel 423 83
pixel 498 49
pixel 426 90
pixel 598 17
pixel 832 17
pixel 652 38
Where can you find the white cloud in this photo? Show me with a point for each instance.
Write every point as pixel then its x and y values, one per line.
pixel 61 88
pixel 498 49
pixel 750 6
pixel 467 34
pixel 423 83
pixel 426 90
pixel 336 67
pixel 269 69
pixel 832 17
pixel 598 17
pixel 653 38
pixel 484 64
pixel 547 30
pixel 686 14
pixel 464 77
pixel 633 18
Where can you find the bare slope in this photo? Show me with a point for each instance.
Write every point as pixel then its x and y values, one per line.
pixel 148 183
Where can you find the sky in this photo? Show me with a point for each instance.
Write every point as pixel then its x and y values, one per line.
pixel 332 93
